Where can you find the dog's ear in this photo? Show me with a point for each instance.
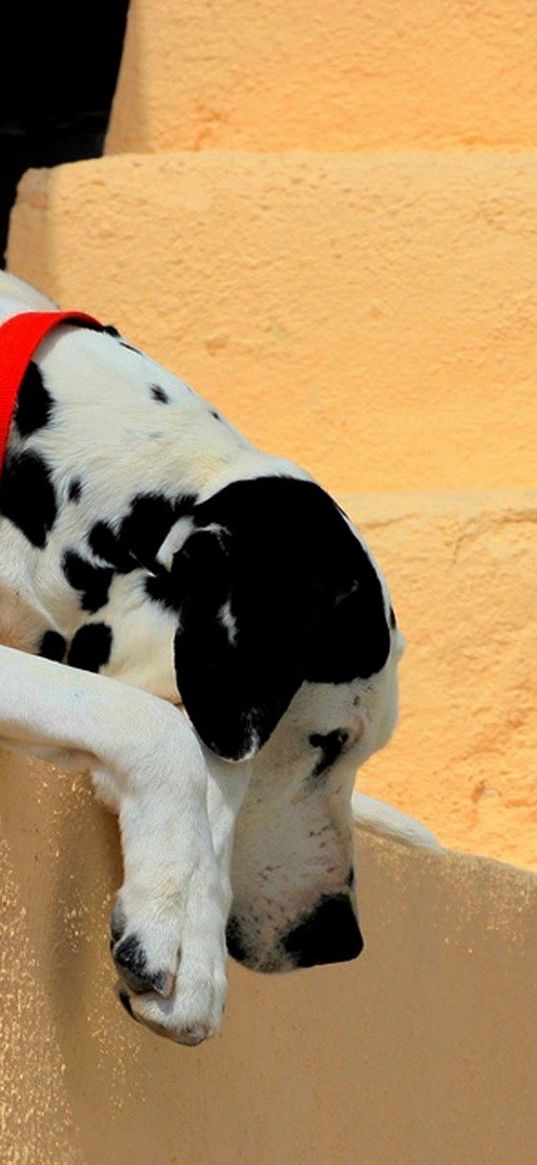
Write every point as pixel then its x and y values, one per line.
pixel 273 588
pixel 236 670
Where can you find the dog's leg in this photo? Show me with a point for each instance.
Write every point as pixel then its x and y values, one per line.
pixel 169 921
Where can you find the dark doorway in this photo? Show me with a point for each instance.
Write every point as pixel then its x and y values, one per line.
pixel 57 79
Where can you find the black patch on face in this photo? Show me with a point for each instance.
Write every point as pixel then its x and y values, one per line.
pixel 52 646
pixel 90 647
pixel 393 620
pixel 331 745
pixel 34 403
pixel 235 941
pixel 111 547
pixel 92 581
pixel 75 490
pixel 330 935
pixel 158 394
pixel 27 496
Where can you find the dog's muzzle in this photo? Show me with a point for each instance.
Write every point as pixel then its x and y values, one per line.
pixel 330 934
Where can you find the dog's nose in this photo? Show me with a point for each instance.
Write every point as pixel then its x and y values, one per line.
pixel 330 935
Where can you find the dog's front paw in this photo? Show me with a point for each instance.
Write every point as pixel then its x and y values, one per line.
pixel 191 1014
pixel 177 993
pixel 144 946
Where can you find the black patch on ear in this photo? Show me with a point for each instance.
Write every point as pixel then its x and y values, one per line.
pixel 331 745
pixel 306 601
pixel 92 581
pixel 111 547
pixel 75 490
pixel 53 646
pixel 34 403
pixel 158 394
pixel 90 647
pixel 27 496
pixel 234 689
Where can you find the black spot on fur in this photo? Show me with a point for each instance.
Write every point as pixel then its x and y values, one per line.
pixel 349 880
pixel 158 394
pixel 34 403
pixel 131 960
pixel 90 647
pixel 75 490
pixel 393 620
pixel 331 745
pixel 160 588
pixel 330 935
pixel 130 347
pixel 92 581
pixel 111 330
pixel 27 496
pixel 215 415
pixel 111 547
pixel 53 646
pixel 144 528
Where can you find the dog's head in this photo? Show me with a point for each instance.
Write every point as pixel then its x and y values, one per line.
pixel 285 658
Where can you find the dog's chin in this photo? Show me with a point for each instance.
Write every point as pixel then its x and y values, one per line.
pixel 330 935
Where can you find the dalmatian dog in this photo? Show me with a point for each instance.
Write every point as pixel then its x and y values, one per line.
pixel 202 627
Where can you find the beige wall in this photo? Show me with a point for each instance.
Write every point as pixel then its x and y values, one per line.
pixel 373 317
pixel 324 217
pixel 305 74
pixel 423 1052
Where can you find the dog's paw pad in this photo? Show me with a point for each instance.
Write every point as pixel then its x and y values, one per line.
pixel 131 962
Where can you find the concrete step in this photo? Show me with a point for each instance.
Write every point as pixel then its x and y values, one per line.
pixel 373 317
pixel 309 75
pixel 462 570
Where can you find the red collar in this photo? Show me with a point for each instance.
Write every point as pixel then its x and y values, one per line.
pixel 19 338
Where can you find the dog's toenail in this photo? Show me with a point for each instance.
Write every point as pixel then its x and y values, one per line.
pixel 196 1033
pixel 163 983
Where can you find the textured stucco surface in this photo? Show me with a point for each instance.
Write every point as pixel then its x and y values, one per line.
pixel 312 75
pixel 373 317
pixel 462 571
pixel 422 1052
